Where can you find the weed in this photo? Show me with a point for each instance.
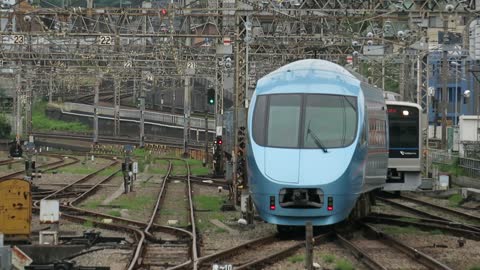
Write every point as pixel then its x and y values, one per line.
pixel 115 213
pixel 92 204
pixel 40 121
pixel 200 170
pixel 212 203
pixel 400 230
pixel 75 170
pixel 408 219
pixel 296 258
pixel 88 224
pixel 477 267
pixel 343 264
pixel 109 171
pixel 455 200
pixel 135 203
pixel 220 230
pixel 436 232
pixel 328 258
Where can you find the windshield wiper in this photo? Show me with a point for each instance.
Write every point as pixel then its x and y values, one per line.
pixel 351 104
pixel 316 139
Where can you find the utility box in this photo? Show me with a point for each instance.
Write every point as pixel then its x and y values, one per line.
pixel 5 258
pixel 49 211
pixel 443 182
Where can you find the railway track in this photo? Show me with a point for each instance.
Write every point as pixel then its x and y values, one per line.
pixel 377 250
pixel 257 253
pixel 64 193
pixel 150 237
pixel 9 161
pixel 433 211
pixel 171 250
pixel 48 166
pixel 118 140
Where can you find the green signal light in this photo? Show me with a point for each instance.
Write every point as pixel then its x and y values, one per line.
pixel 210 101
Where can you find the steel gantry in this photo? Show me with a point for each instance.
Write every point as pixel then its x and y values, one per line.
pixel 210 39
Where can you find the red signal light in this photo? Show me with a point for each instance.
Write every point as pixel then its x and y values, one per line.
pixel 330 204
pixel 219 142
pixel 272 202
pixel 163 12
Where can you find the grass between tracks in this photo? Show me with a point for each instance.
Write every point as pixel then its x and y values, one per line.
pixel 40 121
pixel 210 206
pixel 394 230
pixel 455 200
pixel 329 259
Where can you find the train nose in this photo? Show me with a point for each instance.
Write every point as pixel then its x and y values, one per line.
pixel 282 165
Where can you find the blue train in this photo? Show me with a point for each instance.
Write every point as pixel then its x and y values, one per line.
pixel 317 144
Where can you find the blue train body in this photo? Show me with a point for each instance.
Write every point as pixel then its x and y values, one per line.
pixel 317 140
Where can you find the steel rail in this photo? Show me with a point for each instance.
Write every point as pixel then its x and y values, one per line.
pixel 441 225
pixel 227 253
pixel 415 254
pixel 160 198
pixel 192 217
pixel 361 255
pixel 429 215
pixel 442 208
pixel 55 164
pixel 83 179
pixel 281 254
pixel 9 161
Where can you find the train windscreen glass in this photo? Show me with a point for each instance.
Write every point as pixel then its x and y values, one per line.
pixel 403 128
pixel 305 121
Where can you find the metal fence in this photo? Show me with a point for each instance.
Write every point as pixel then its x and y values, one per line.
pixel 470 166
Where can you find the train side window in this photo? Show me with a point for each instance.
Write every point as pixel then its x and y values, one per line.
pixel 363 139
pixel 259 117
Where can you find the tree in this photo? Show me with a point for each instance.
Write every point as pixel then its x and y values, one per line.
pixel 5 128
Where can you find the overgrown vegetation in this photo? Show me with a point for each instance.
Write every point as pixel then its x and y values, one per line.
pixel 5 128
pixel 75 170
pixel 135 203
pixel 394 230
pixel 296 258
pixel 343 264
pixel 455 200
pixel 211 203
pixel 88 224
pixel 115 213
pixel 477 267
pixel 92 204
pixel 328 258
pixel 40 121
pixel 453 169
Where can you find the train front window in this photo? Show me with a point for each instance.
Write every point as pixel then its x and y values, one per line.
pixel 403 127
pixel 284 120
pixel 331 120
pixel 305 121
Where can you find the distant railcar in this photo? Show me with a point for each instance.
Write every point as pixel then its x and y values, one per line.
pixel 15 209
pixel 405 149
pixel 317 144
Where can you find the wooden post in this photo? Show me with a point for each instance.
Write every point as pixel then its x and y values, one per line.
pixel 309 246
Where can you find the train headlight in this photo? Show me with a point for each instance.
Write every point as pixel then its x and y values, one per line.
pixel 405 112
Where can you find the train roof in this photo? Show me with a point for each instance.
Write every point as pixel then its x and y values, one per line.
pixel 403 103
pixel 311 64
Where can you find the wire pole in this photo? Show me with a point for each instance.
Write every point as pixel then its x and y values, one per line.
pixel 95 109
pixel 444 72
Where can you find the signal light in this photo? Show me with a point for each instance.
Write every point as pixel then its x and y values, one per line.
pixel 211 96
pixel 163 12
pixel 330 204
pixel 272 202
